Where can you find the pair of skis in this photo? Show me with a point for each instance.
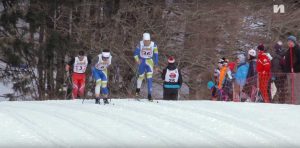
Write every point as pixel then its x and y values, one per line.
pixel 110 103
pixel 141 100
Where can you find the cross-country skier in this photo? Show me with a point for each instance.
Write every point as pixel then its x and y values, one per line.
pixel 146 56
pixel 79 65
pixel 172 80
pixel 99 70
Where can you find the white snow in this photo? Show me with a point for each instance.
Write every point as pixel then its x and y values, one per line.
pixel 5 89
pixel 256 25
pixel 129 123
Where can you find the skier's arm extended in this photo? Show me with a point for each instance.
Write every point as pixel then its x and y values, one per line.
pixel 94 61
pixel 136 55
pixel 155 51
pixel 89 60
pixel 69 64
pixel 109 60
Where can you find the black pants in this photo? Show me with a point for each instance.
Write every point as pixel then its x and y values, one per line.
pixel 281 89
pixel 170 94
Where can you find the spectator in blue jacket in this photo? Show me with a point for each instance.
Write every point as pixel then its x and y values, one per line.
pixel 240 77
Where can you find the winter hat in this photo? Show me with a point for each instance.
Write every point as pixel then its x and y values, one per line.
pixel 278 46
pixel 252 52
pixel 171 60
pixel 292 38
pixel 225 60
pixel 81 53
pixel 242 58
pixel 146 36
pixel 261 47
pixel 221 61
pixel 105 53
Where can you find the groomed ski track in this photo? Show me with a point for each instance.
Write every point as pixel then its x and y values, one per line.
pixel 129 123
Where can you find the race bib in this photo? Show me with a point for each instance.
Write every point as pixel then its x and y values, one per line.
pixel 80 68
pixel 146 53
pixel 172 76
pixel 101 66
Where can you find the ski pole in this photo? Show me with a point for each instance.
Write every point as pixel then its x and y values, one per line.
pixel 66 85
pixel 87 89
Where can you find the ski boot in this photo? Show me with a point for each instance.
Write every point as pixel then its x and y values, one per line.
pixel 137 92
pixel 97 100
pixel 105 100
pixel 150 98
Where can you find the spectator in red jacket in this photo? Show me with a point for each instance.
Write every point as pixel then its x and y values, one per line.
pixel 263 68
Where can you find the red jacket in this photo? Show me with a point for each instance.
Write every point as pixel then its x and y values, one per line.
pixel 263 63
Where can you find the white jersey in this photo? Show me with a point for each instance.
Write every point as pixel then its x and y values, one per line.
pixel 172 75
pixel 146 51
pixel 80 66
pixel 102 65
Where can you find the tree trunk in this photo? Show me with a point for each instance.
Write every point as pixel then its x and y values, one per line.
pixel 40 66
pixel 70 22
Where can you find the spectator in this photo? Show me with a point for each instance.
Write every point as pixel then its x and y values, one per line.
pixel 225 84
pixel 252 63
pixel 251 83
pixel 172 80
pixel 292 65
pixel 240 77
pixel 263 68
pixel 277 68
pixel 212 87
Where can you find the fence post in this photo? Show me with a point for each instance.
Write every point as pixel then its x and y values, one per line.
pixel 293 88
pixel 292 76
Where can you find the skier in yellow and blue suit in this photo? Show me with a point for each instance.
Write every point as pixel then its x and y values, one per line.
pixel 146 56
pixel 101 63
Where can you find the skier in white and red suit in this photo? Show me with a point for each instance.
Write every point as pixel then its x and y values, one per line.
pixel 172 80
pixel 78 65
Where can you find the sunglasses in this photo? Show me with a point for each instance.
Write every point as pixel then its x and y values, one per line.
pixel 105 58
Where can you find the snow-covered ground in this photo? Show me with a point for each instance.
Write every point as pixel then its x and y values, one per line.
pixel 130 123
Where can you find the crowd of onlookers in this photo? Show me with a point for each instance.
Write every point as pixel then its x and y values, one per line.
pixel 259 75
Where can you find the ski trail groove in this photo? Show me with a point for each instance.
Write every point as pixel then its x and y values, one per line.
pixel 35 128
pixel 84 127
pixel 256 129
pixel 126 121
pixel 181 123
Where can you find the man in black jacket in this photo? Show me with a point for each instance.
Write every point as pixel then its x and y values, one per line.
pixel 172 80
pixel 278 77
pixel 292 65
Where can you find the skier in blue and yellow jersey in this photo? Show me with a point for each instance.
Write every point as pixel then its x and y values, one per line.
pixel 101 63
pixel 146 56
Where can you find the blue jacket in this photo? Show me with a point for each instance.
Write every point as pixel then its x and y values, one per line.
pixel 241 74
